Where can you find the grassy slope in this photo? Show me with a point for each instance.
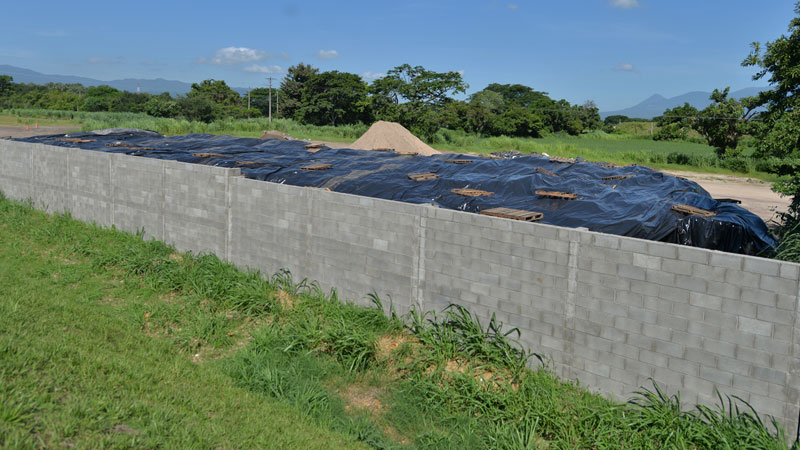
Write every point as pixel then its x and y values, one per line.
pixel 77 369
pixel 111 341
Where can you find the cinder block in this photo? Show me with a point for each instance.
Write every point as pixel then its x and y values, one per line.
pixel 790 270
pixel 778 285
pixel 662 249
pixel 761 265
pixel 754 326
pixel 668 348
pixel 694 255
pixel 683 366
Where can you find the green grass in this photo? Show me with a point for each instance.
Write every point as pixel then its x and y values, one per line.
pixel 111 341
pixel 85 361
pixel 621 149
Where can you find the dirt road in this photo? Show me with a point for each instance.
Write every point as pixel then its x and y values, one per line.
pixel 756 195
pixel 21 132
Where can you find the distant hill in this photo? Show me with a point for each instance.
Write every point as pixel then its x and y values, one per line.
pixel 155 86
pixel 656 104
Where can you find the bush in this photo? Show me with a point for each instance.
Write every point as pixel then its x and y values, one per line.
pixel 679 158
pixel 736 164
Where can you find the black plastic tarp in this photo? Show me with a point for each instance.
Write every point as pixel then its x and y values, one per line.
pixel 639 206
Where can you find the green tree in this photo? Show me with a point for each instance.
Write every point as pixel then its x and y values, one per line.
pixel 6 88
pixel 292 88
pixel 615 119
pixel 779 134
pixel 162 105
pixel 333 98
pixel 724 122
pixel 414 96
pixel 226 101
pixel 100 98
pixel 198 107
pixel 676 122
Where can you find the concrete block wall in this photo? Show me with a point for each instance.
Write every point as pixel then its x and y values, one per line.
pixel 610 311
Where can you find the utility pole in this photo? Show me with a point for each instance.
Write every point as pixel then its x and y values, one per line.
pixel 248 99
pixel 270 99
pixel 277 102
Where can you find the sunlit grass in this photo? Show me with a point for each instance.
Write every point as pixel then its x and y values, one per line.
pixel 110 340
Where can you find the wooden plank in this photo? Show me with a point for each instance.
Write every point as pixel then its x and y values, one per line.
pixel 407 153
pixel 383 149
pixel 545 171
pixel 556 194
pixel 317 167
pixel 515 214
pixel 423 176
pixel 248 163
pixel 619 177
pixel 208 155
pixel 688 209
pixel 77 140
pixel 471 192
pixel 559 159
pixel 458 161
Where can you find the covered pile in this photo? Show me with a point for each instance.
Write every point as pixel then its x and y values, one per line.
pixel 630 201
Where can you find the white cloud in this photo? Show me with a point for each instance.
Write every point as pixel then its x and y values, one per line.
pixel 625 67
pixel 256 68
pixel 372 76
pixel 235 55
pixel 327 54
pixel 625 4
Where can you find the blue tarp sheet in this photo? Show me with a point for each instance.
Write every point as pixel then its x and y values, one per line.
pixel 638 206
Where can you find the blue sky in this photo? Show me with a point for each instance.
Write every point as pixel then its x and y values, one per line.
pixel 615 52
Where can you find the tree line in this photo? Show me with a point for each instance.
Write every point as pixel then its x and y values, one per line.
pixel 420 99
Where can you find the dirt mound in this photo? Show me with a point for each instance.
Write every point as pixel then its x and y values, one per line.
pixel 275 134
pixel 390 135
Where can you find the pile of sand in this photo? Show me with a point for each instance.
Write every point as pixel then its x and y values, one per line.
pixel 390 135
pixel 275 134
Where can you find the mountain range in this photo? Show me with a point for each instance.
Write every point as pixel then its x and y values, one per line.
pixel 152 86
pixel 656 104
pixel 647 109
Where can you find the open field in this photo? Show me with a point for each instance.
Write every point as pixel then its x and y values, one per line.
pixel 620 149
pixel 113 341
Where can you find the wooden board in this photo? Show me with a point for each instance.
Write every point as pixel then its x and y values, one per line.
pixel 128 146
pixel 688 209
pixel 383 149
pixel 515 214
pixel 545 171
pixel 423 176
pixel 458 161
pixel 248 163
pixel 407 153
pixel 471 192
pixel 77 140
pixel 619 177
pixel 559 159
pixel 556 194
pixel 317 167
pixel 207 155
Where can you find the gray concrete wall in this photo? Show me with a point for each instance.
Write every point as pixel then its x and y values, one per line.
pixel 609 311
